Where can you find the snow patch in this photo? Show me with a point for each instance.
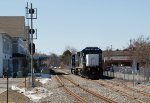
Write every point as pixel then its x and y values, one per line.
pixel 43 80
pixel 35 94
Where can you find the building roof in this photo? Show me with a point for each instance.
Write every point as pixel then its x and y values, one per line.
pixel 13 25
pixel 120 53
pixel 116 53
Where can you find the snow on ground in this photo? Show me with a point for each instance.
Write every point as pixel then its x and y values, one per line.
pixel 35 94
pixel 38 93
pixel 43 80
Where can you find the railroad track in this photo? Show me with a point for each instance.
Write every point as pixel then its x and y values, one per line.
pixel 111 87
pixel 101 97
pixel 121 91
pixel 79 98
pixel 130 83
pixel 143 86
pixel 129 88
pixel 115 89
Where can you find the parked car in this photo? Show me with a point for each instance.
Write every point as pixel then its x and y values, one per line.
pixel 109 68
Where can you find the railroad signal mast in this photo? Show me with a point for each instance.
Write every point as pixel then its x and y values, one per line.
pixel 31 13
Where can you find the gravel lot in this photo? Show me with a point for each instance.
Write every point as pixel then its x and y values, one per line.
pixel 58 95
pixel 102 90
pixel 87 96
pixel 108 92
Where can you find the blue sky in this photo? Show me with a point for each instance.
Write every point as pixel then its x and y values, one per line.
pixel 81 23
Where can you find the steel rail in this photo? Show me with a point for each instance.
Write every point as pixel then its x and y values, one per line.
pixel 120 91
pixel 141 92
pixel 70 92
pixel 92 92
pixel 125 94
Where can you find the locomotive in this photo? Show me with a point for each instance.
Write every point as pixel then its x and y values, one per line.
pixel 87 63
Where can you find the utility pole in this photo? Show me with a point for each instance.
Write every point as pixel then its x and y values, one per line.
pixel 7 84
pixel 30 15
pixel 32 44
pixel 130 43
pixel 111 47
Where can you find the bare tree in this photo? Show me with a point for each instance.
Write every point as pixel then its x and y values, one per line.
pixel 107 56
pixel 66 57
pixel 54 60
pixel 71 49
pixel 140 50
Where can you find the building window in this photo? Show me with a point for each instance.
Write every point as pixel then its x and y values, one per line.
pixel 7 46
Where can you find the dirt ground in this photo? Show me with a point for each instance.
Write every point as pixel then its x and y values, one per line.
pixel 14 97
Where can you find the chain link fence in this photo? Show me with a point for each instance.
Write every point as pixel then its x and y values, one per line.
pixel 130 74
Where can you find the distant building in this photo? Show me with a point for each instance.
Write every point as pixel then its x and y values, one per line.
pixel 5 54
pixel 40 62
pixel 15 27
pixel 118 58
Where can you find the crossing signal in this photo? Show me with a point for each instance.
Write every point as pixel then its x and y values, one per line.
pixel 33 48
pixel 31 31
pixel 137 66
pixel 31 11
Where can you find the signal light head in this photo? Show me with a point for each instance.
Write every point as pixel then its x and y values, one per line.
pixel 31 11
